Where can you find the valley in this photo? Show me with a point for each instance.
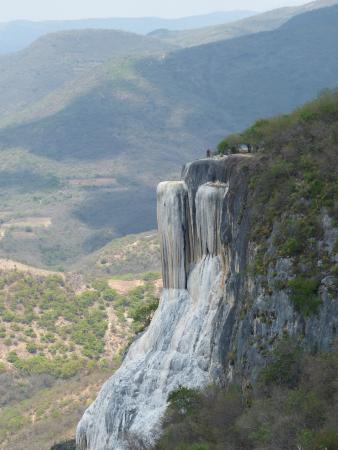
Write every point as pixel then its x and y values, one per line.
pixel 130 121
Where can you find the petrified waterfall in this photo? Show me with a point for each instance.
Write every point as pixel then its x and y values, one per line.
pixel 215 322
pixel 177 347
pixel 174 230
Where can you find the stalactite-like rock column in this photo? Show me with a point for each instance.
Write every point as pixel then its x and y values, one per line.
pixel 209 206
pixel 174 232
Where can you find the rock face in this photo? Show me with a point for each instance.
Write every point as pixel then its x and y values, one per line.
pixel 214 321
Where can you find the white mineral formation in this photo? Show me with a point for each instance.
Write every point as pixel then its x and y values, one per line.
pixel 209 202
pixel 173 224
pixel 177 347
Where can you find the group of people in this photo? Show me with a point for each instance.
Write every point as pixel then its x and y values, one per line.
pixel 241 148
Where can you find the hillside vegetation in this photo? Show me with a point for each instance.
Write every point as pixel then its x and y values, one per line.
pixel 59 58
pixel 57 326
pixel 294 195
pixel 61 336
pixel 130 255
pixel 294 405
pixel 41 411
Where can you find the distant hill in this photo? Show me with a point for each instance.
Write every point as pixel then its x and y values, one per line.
pixel 110 135
pixel 266 21
pixel 146 106
pixel 57 58
pixel 17 35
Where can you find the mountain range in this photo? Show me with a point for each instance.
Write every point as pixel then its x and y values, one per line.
pixel 266 21
pixel 19 34
pixel 58 58
pixel 115 122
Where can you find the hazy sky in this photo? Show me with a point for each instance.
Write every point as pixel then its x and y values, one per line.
pixel 74 9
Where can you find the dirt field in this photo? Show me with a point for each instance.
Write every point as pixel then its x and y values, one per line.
pixel 8 264
pixel 33 222
pixel 124 286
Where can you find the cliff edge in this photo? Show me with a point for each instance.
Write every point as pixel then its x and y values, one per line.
pixel 217 319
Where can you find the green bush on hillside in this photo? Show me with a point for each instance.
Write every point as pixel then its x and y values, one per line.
pixel 284 366
pixel 293 406
pixel 183 400
pixel 304 295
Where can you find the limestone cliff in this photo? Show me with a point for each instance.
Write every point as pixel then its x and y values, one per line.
pixel 215 321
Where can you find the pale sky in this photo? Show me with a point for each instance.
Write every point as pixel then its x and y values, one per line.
pixel 79 9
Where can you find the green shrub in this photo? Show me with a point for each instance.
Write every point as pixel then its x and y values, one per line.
pixel 184 400
pixel 223 147
pixel 66 369
pixel 151 276
pixel 30 332
pixel 262 434
pixel 31 347
pixel 307 115
pixel 284 367
pixel 109 294
pixel 304 295
pixel 326 439
pixel 3 368
pixel 142 313
pixel 291 247
pixel 100 285
pixel 12 357
pixel 198 447
pixel 11 420
pixel 8 316
pixel 48 337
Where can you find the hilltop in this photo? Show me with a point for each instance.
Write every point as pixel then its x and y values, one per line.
pixel 135 99
pixel 59 58
pixel 16 35
pixel 266 21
